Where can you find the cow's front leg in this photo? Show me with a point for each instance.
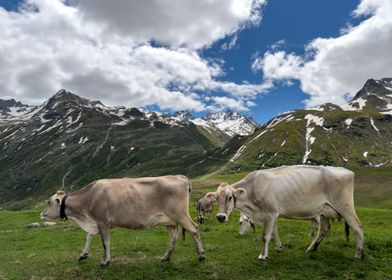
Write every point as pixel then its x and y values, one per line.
pixel 267 232
pixel 278 243
pixel 84 253
pixel 104 231
pixel 173 230
pixel 212 215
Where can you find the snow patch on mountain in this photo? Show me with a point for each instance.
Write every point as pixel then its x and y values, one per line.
pixel 313 119
pixel 348 122
pixel 238 153
pixel 355 105
pixel 309 139
pixel 374 126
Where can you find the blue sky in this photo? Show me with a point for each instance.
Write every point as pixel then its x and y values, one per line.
pixel 297 22
pixel 196 56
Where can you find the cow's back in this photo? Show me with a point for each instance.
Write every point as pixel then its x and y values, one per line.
pixel 298 189
pixel 131 202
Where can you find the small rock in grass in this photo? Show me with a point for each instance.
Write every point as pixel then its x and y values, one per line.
pixel 33 225
pixel 49 224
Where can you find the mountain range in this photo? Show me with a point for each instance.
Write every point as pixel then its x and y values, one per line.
pixel 70 141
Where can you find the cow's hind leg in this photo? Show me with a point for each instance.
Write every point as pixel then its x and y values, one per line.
pixel 104 231
pixel 84 253
pixel 352 220
pixel 268 225
pixel 190 226
pixel 278 243
pixel 173 230
pixel 322 232
pixel 314 226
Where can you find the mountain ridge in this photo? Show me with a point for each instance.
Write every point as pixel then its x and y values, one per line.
pixel 356 134
pixel 65 97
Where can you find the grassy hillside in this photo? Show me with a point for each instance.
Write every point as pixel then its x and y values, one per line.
pixel 330 137
pixel 134 150
pixel 51 253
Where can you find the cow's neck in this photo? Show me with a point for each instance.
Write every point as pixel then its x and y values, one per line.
pixel 245 206
pixel 74 206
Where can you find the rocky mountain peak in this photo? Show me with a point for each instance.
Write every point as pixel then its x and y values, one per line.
pixel 63 96
pixel 183 116
pixel 379 88
pixel 222 116
pixel 6 104
pixel 375 94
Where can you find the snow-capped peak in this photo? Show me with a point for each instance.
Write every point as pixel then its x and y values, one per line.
pixel 231 122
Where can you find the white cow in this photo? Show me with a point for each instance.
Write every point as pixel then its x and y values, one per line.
pixel 296 192
pixel 246 224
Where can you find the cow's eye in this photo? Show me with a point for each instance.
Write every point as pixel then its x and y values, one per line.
pixel 49 202
pixel 230 197
pixel 240 223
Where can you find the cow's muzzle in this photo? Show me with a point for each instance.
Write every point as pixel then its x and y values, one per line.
pixel 221 217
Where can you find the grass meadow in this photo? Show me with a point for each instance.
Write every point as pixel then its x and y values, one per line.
pixel 52 253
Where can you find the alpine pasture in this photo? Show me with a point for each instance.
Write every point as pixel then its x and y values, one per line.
pixel 52 252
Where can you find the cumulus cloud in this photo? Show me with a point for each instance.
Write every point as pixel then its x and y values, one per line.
pixel 174 22
pixel 334 69
pixel 51 44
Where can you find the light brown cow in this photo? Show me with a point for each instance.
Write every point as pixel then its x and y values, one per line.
pixel 205 205
pixel 130 203
pixel 295 192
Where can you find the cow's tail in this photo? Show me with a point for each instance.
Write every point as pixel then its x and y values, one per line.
pixel 189 186
pixel 347 231
pixel 183 236
pixel 253 226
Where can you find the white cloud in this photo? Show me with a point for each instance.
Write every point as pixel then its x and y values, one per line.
pixel 224 102
pixel 174 22
pixel 48 45
pixel 334 68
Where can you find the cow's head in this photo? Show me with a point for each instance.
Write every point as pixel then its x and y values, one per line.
pixel 245 224
pixel 227 197
pixel 52 211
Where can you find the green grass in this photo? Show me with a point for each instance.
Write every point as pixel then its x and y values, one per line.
pixel 51 253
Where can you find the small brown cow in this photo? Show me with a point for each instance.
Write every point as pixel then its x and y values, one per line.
pixel 205 205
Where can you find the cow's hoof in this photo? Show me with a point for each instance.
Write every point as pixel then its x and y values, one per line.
pixel 310 249
pixel 360 255
pixel 165 259
pixel 105 264
pixel 202 258
pixel 83 257
pixel 261 259
pixel 278 248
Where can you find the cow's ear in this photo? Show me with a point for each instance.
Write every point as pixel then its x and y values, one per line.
pixel 57 200
pixel 211 196
pixel 222 186
pixel 239 193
